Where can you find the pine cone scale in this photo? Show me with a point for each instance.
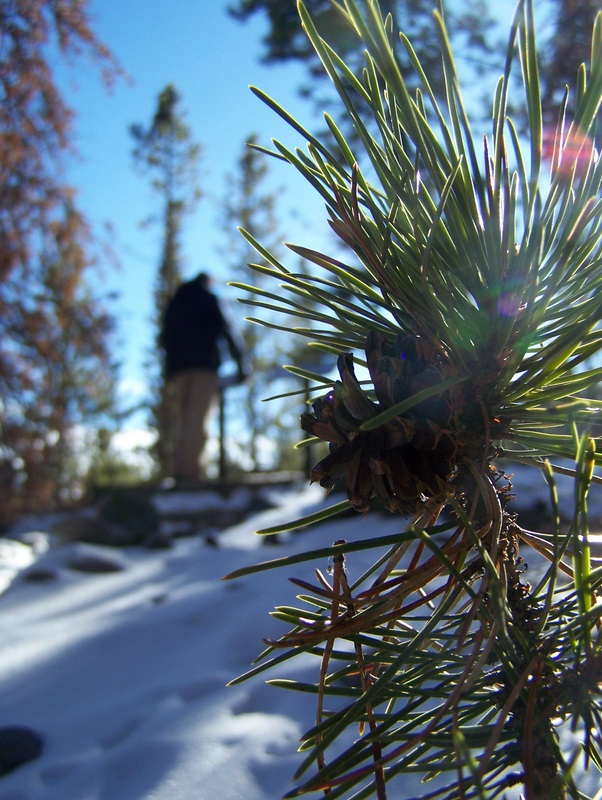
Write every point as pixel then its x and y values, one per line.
pixel 405 461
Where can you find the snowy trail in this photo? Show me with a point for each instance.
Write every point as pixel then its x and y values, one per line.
pixel 124 673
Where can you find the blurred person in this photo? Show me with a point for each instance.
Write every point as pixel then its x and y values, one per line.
pixel 194 327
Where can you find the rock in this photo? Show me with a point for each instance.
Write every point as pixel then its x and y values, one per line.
pixel 128 518
pixel 158 541
pixel 258 503
pixel 94 563
pixel 80 528
pixel 40 574
pixel 18 745
pixel 122 518
pixel 271 540
pixel 76 556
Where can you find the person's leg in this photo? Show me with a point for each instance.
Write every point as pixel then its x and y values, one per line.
pixel 197 390
pixel 204 393
pixel 182 457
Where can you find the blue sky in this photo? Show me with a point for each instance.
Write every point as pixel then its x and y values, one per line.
pixel 212 60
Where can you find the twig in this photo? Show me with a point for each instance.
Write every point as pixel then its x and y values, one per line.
pixel 379 774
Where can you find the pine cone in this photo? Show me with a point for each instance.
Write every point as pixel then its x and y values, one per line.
pixel 405 461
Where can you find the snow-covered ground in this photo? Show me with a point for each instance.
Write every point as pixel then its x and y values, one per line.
pixel 124 673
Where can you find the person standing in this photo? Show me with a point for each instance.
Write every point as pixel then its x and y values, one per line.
pixel 193 330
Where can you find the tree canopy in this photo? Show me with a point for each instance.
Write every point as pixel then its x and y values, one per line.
pixel 47 307
pixel 286 40
pixel 167 154
pixel 461 310
pixel 35 120
pixel 470 25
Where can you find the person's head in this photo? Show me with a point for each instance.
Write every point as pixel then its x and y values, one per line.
pixel 203 279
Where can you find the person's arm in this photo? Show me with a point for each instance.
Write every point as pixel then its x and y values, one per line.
pixel 235 345
pixel 237 352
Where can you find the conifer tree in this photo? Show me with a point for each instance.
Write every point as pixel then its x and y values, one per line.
pixel 167 153
pixel 248 204
pixel 251 205
pixel 46 251
pixel 471 28
pixel 568 47
pixel 470 24
pixel 66 375
pixel 467 293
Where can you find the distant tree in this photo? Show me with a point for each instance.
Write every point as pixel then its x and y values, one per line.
pixel 470 26
pixel 42 235
pixel 166 152
pixel 469 22
pixel 567 47
pixel 249 205
pixel 34 117
pixel 111 467
pixel 62 376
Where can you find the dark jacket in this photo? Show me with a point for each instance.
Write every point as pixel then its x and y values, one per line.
pixel 193 326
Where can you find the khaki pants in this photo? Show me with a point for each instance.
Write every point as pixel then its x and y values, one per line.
pixel 196 390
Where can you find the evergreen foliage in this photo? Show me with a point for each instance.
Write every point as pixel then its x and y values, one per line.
pixel 167 153
pixel 55 332
pixel 251 204
pixel 469 298
pixel 568 47
pixel 286 40
pixel 471 28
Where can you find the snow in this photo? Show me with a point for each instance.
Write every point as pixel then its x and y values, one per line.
pixel 124 673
